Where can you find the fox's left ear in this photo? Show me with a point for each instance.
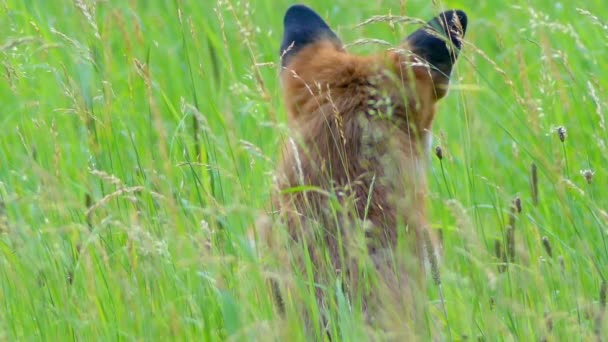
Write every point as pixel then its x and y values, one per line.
pixel 439 43
pixel 302 27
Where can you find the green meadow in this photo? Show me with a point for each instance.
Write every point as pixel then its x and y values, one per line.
pixel 138 141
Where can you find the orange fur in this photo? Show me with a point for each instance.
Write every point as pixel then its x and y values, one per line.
pixel 359 128
pixel 328 95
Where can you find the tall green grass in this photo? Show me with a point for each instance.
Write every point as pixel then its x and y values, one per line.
pixel 138 139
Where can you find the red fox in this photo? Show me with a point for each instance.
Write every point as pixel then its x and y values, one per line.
pixel 354 164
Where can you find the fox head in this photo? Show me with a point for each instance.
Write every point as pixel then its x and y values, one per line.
pixel 319 75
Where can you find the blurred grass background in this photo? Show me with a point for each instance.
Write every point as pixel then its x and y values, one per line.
pixel 138 139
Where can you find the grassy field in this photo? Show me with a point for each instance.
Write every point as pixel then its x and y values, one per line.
pixel 138 139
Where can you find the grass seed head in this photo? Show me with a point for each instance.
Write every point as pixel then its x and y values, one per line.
pixel 561 133
pixel 510 243
pixel 547 246
pixel 432 257
pixel 588 174
pixel 534 183
pixel 439 152
pixel 517 204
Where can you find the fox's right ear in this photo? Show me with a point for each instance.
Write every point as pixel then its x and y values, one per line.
pixel 439 43
pixel 303 26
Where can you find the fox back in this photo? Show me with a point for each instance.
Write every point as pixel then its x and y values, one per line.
pixel 360 134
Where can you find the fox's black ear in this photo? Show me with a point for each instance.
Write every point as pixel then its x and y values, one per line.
pixel 303 26
pixel 440 41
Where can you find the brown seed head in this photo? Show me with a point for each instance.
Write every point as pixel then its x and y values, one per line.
pixel 500 255
pixel 534 184
pixel 517 204
pixel 588 174
pixel 561 133
pixel 547 246
pixel 439 152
